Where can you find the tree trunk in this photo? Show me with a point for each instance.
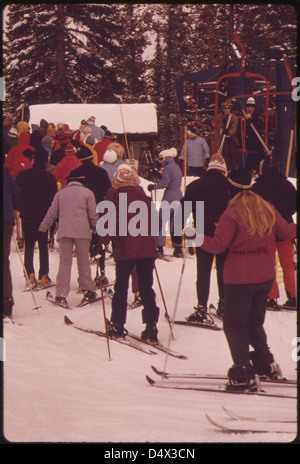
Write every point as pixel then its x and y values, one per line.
pixel 60 84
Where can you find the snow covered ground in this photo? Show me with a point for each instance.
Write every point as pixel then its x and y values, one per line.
pixel 60 386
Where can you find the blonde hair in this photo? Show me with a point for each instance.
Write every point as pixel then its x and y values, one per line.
pixel 118 148
pixel 257 214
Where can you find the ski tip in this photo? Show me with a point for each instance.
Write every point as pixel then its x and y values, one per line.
pixel 67 320
pixel 150 381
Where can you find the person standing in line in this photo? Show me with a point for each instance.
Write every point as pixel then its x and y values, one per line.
pixel 97 132
pixel 231 142
pixel 248 227
pixel 171 180
pixel 69 162
pixel 129 251
pixel 96 179
pixel 255 150
pixel 101 147
pixel 11 193
pixel 38 188
pixel 75 208
pixel 212 189
pixel 278 190
pixel 197 153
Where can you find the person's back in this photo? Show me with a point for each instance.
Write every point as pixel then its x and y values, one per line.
pixel 93 177
pixel 274 187
pixel 38 188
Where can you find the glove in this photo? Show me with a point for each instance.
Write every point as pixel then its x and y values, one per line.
pixel 95 246
pixel 150 187
pixel 226 132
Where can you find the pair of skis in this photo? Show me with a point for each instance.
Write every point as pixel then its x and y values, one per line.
pixel 242 430
pixel 214 383
pixel 130 340
pixel 84 301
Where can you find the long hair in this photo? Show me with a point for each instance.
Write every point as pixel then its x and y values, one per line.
pixel 257 215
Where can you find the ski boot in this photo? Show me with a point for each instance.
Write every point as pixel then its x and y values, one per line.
pixel 290 304
pixel 62 301
pixel 150 333
pixel 265 369
pixel 89 295
pixel 44 282
pixel 178 253
pixel 199 315
pixel 116 330
pixel 160 252
pixel 7 307
pixel 241 378
pixel 32 282
pixel 272 305
pixel 220 310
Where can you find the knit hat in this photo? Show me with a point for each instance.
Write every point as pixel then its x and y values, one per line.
pixel 192 130
pixel 69 149
pixel 110 156
pixel 125 176
pixel 171 153
pixel 238 180
pixel 250 101
pixel 217 162
pixel 13 133
pixel 22 126
pixel 91 120
pixel 84 153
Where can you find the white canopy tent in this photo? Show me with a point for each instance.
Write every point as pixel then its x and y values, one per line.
pixel 137 118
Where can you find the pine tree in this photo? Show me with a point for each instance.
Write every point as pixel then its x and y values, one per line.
pixel 60 53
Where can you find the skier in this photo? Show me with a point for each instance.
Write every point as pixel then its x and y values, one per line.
pixel 248 227
pixel 130 251
pixel 15 160
pixel 96 179
pixel 38 188
pixel 97 132
pixel 254 148
pixel 212 189
pixel 231 142
pixel 75 208
pixel 171 180
pixel 69 162
pixel 101 147
pixel 110 163
pixel 197 153
pixel 278 190
pixel 11 194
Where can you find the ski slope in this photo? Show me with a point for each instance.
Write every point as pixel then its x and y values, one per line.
pixel 60 386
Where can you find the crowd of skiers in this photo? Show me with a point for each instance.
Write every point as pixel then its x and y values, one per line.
pixel 55 177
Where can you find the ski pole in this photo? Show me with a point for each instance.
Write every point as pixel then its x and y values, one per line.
pixel 185 252
pixel 164 303
pixel 258 136
pixel 103 307
pixel 26 275
pixel 223 138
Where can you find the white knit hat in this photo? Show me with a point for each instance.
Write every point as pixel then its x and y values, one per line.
pixel 250 101
pixel 217 162
pixel 110 156
pixel 172 152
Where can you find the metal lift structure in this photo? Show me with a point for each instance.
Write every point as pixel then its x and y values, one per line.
pixel 270 82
